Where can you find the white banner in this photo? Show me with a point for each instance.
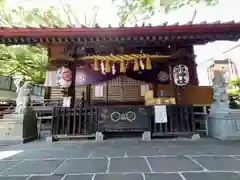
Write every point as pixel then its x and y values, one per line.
pixel 160 114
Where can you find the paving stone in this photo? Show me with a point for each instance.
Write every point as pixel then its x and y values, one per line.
pixel 118 177
pixel 119 165
pixel 238 157
pixel 108 152
pixel 34 167
pixel 159 176
pixel 53 177
pixel 219 163
pixel 13 178
pixel 142 151
pixel 96 144
pixel 73 153
pixel 67 145
pixel 196 150
pixel 126 142
pixel 7 164
pixel 153 142
pixel 78 177
pixel 44 154
pixel 78 166
pixel 35 145
pixel 172 164
pixel 211 176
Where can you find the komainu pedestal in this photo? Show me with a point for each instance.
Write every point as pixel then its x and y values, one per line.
pixel 223 122
pixel 19 127
pixel 22 125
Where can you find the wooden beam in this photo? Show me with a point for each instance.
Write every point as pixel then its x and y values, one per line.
pixel 71 89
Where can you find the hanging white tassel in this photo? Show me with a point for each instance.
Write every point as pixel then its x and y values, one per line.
pixel 142 65
pixel 102 68
pixel 113 69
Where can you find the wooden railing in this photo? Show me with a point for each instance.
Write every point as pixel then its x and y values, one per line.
pixel 47 102
pixel 74 121
pixel 180 122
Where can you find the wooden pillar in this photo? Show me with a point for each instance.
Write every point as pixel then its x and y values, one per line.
pixel 107 90
pixel 88 94
pixel 192 66
pixel 155 90
pixel 71 89
pixel 47 92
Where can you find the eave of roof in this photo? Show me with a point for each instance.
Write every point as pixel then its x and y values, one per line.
pixel 217 30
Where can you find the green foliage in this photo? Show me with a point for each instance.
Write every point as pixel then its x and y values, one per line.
pixel 129 10
pixel 27 61
pixel 234 93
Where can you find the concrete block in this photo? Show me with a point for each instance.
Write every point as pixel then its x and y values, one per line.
pixel 49 139
pixel 146 136
pixel 99 136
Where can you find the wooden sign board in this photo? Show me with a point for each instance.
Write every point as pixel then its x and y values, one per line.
pixel 160 114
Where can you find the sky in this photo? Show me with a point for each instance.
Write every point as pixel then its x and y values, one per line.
pixel 226 10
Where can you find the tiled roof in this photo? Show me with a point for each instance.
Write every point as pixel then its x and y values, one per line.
pixel 203 31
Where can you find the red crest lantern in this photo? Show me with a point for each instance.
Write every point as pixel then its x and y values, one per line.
pixel 64 77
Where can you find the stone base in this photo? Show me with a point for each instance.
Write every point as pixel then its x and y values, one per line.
pixel 19 127
pixel 11 129
pixel 99 136
pixel 225 126
pixel 50 139
pixel 146 136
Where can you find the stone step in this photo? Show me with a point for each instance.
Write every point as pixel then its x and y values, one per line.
pixel 13 116
pixel 11 120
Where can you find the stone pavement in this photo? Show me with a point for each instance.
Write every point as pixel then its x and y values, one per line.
pixel 128 159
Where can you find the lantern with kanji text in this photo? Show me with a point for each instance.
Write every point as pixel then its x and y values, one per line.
pixel 181 75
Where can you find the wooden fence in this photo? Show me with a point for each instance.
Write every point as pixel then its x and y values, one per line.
pixel 180 122
pixel 85 121
pixel 74 121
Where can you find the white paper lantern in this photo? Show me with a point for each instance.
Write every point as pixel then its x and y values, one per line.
pixel 181 75
pixel 64 77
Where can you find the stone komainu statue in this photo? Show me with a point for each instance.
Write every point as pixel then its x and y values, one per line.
pixel 24 91
pixel 220 95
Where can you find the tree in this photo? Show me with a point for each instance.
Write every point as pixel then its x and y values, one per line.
pixel 27 61
pixel 128 10
pixel 234 93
